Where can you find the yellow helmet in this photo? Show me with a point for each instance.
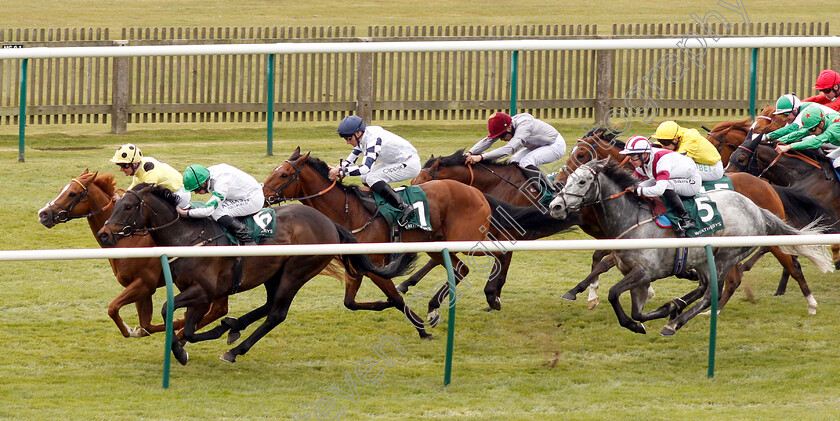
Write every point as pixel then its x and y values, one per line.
pixel 667 130
pixel 127 154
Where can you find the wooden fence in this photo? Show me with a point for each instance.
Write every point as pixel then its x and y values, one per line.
pixel 398 86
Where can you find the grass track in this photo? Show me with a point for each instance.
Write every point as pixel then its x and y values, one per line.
pixel 540 358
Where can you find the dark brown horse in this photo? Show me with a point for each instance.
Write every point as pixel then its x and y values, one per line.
pixel 503 181
pixel 727 135
pixel 90 196
pixel 201 280
pixel 458 212
pixel 600 144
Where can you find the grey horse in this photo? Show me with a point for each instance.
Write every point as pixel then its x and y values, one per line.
pixel 599 184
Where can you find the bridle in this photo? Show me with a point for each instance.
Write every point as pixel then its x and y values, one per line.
pixel 130 228
pixel 64 214
pixel 278 197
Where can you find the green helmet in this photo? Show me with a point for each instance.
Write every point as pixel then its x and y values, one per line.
pixel 787 103
pixel 194 176
pixel 812 117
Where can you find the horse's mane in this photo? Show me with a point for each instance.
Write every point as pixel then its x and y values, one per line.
pixel 618 174
pixel 741 125
pixel 458 159
pixel 608 136
pixel 105 181
pixel 161 192
pixel 323 170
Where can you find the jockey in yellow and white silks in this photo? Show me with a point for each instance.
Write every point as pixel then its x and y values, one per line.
pixel 144 169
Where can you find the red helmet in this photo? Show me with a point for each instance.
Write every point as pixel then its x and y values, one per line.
pixel 498 124
pixel 827 80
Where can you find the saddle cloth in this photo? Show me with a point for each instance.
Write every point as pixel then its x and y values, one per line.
pixel 416 197
pixel 701 208
pixel 260 225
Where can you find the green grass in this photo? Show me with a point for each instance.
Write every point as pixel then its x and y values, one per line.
pixel 540 358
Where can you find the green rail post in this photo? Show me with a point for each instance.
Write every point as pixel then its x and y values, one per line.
pixel 514 67
pixel 713 284
pixel 753 61
pixel 170 304
pixel 269 116
pixel 450 337
pixel 22 115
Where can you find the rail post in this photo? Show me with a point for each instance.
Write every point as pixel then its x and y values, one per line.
pixel 450 334
pixel 22 114
pixel 170 311
pixel 514 66
pixel 713 284
pixel 269 112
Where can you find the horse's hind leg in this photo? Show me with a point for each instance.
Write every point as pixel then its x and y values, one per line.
pixel 460 270
pixel 417 276
pixel 791 265
pixel 351 287
pixel 636 277
pixel 497 279
pixel 600 267
pixel 394 297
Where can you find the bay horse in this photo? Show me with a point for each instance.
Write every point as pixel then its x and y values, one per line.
pixel 458 213
pixel 90 196
pixel 726 136
pixel 503 181
pixel 600 144
pixel 201 280
pixel 600 184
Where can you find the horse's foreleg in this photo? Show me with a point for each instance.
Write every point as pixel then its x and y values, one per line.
pixel 497 279
pixel 636 277
pixel 351 287
pixel 133 293
pixel 730 284
pixel 791 265
pixel 754 259
pixel 417 276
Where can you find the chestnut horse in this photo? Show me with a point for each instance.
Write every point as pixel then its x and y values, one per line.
pixel 458 212
pixel 599 144
pixel 150 209
pixel 727 135
pixel 90 195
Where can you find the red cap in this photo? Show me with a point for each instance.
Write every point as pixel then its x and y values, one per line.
pixel 498 124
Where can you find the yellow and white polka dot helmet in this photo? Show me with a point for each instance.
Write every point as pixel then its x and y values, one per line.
pixel 127 154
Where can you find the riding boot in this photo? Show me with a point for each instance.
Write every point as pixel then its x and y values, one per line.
pixel 393 199
pixel 238 229
pixel 673 200
pixel 532 171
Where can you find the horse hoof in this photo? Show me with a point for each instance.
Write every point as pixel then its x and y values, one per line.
pixel 496 304
pixel 233 336
pixel 138 332
pixel 837 265
pixel 593 303
pixel 812 311
pixel 568 296
pixel 434 317
pixel 667 331
pixel 181 355
pixel 638 328
pixel 402 289
pixel 427 336
pixel 230 321
pixel 228 357
pixel 779 293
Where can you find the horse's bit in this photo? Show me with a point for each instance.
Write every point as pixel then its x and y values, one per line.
pixel 64 214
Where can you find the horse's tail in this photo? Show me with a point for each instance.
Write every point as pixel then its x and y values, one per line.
pixel 815 253
pixel 801 209
pixel 358 264
pixel 528 222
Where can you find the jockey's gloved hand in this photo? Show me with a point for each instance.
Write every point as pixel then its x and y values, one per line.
pixel 639 191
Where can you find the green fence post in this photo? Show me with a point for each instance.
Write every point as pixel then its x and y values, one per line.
pixel 713 284
pixel 514 67
pixel 170 304
pixel 753 81
pixel 450 337
pixel 270 106
pixel 22 115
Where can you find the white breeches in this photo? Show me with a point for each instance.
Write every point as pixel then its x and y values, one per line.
pixel 392 173
pixel 541 155
pixel 710 172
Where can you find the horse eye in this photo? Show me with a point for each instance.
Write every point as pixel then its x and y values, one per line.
pixel 72 194
pixel 284 175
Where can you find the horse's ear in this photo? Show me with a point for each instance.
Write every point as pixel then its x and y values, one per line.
pixel 436 163
pixel 602 162
pixel 84 172
pixel 296 152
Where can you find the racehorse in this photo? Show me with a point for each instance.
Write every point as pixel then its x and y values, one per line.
pixel 505 182
pixel 201 280
pixel 727 135
pixel 599 144
pixel 90 195
pixel 603 186
pixel 457 212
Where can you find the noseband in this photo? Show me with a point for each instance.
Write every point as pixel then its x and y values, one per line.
pixel 277 197
pixel 130 228
pixel 64 214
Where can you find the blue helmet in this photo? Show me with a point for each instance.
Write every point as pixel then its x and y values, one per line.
pixel 350 125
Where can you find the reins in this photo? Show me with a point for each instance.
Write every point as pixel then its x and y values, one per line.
pixel 64 214
pixel 129 229
pixel 277 198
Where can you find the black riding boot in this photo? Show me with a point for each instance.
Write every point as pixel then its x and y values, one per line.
pixel 673 200
pixel 238 229
pixel 532 171
pixel 393 199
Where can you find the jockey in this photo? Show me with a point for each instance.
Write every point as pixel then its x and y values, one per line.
pixel 388 159
pixel 144 169
pixel 791 107
pixel 817 128
pixel 234 194
pixel 690 143
pixel 532 143
pixel 664 173
pixel 828 83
